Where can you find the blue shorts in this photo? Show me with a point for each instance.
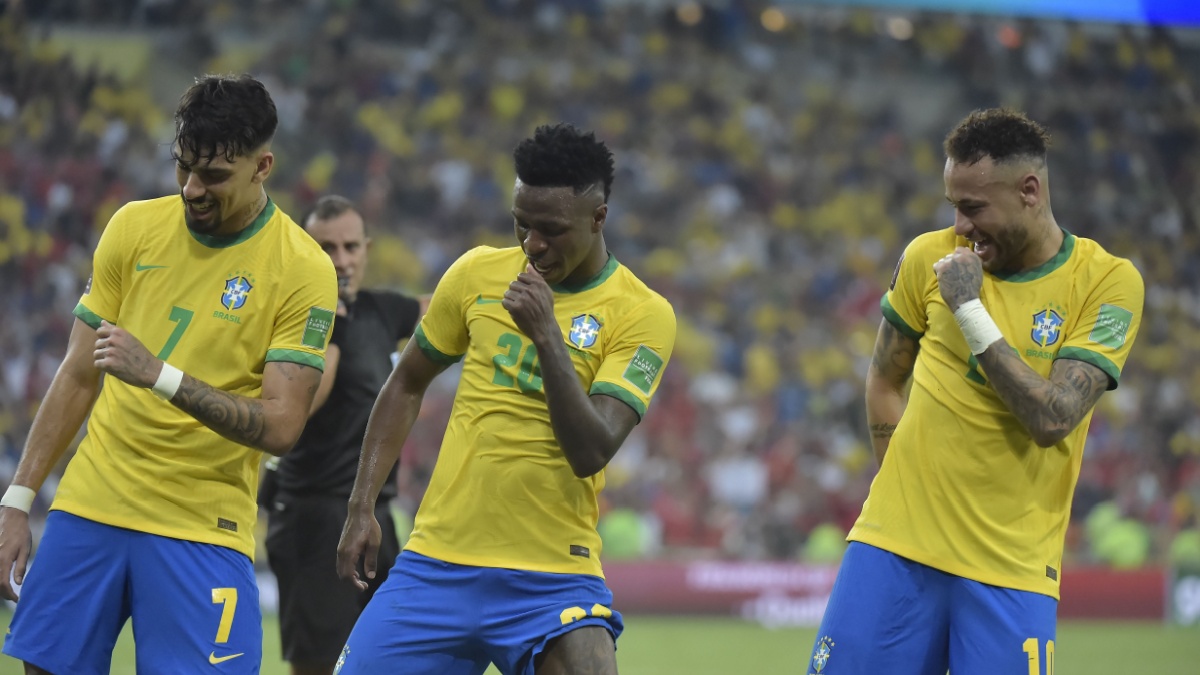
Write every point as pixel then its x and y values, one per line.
pixel 194 606
pixel 888 614
pixel 437 618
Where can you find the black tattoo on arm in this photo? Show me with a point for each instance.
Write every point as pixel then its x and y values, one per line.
pixel 883 430
pixel 1048 409
pixel 895 354
pixel 235 417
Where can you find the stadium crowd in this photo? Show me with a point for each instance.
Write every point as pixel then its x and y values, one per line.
pixel 771 166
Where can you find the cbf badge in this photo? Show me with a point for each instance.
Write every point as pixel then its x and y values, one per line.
pixel 821 656
pixel 584 331
pixel 1047 326
pixel 236 290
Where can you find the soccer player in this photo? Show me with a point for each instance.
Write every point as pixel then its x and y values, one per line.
pixel 312 483
pixel 1010 328
pixel 208 314
pixel 562 350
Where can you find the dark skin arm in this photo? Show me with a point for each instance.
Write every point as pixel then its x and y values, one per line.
pixel 271 423
pixel 589 429
pixel 71 395
pixel 1049 409
pixel 887 379
pixel 391 420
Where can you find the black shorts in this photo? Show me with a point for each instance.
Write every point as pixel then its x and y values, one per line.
pixel 316 608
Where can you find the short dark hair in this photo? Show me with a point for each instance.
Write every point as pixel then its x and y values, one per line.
pixel 230 113
pixel 330 207
pixel 1000 133
pixel 560 155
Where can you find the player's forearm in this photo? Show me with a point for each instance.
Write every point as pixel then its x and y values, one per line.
pixel 392 418
pixel 261 424
pixel 885 405
pixel 587 442
pixel 62 412
pixel 1047 410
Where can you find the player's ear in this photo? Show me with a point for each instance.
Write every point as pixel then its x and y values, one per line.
pixel 263 166
pixel 599 214
pixel 1031 189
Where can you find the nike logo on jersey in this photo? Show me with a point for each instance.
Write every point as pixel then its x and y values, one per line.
pixel 486 301
pixel 214 659
pixel 142 268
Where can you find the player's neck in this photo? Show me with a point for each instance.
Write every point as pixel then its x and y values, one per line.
pixel 246 218
pixel 594 264
pixel 1049 241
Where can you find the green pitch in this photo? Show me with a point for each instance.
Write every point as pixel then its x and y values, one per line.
pixel 705 646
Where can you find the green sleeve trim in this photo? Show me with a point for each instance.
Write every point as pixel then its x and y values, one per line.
pixel 431 352
pixel 296 356
pixel 87 316
pixel 609 389
pixel 893 318
pixel 1098 360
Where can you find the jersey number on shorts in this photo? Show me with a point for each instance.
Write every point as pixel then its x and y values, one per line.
pixel 1035 662
pixel 182 317
pixel 529 375
pixel 573 614
pixel 228 598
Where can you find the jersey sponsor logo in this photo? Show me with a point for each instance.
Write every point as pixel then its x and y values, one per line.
pixel 1112 324
pixel 1047 327
pixel 585 329
pixel 225 524
pixel 214 659
pixel 139 267
pixel 822 653
pixel 316 329
pixel 236 291
pixel 581 551
pixel 643 369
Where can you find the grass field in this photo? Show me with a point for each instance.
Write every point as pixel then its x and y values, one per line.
pixel 708 646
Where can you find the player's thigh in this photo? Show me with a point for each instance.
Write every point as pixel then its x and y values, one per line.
pixel 1001 631
pixel 73 603
pixel 423 621
pixel 195 608
pixel 886 614
pixel 529 613
pixel 587 649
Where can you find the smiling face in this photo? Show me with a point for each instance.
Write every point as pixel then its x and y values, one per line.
pixel 996 209
pixel 561 232
pixel 221 197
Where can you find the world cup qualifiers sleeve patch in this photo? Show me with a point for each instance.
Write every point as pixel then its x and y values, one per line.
pixel 643 369
pixel 1111 326
pixel 316 329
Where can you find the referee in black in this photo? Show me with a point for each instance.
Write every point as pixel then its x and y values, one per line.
pixel 307 491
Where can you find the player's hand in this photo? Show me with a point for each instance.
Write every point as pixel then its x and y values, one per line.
pixel 121 355
pixel 531 303
pixel 361 536
pixel 959 276
pixel 15 544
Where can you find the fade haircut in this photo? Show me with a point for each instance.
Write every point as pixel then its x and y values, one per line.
pixel 1000 133
pixel 330 207
pixel 232 114
pixel 560 155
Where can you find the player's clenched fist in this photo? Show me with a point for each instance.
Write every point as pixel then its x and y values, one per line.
pixel 960 276
pixel 15 544
pixel 531 303
pixel 120 354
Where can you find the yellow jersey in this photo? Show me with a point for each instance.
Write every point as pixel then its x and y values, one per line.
pixel 963 487
pixel 219 309
pixel 502 493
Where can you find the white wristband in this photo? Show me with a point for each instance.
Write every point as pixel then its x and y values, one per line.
pixel 168 382
pixel 18 497
pixel 977 326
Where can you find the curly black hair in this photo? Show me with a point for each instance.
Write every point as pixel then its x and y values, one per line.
pixel 233 114
pixel 560 155
pixel 999 133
